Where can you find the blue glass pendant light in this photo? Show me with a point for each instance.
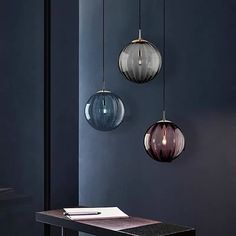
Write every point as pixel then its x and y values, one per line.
pixel 104 110
pixel 140 61
pixel 164 140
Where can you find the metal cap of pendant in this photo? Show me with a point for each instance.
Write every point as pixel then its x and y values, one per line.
pixel 140 61
pixel 164 140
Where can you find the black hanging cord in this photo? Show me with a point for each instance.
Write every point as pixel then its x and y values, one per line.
pixel 139 14
pixel 139 19
pixel 103 46
pixel 47 109
pixel 164 61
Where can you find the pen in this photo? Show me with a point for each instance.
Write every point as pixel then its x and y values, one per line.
pixel 82 213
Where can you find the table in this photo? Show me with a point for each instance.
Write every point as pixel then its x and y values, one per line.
pixel 114 227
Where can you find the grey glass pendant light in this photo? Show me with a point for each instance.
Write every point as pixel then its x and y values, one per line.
pixel 104 110
pixel 140 61
pixel 164 140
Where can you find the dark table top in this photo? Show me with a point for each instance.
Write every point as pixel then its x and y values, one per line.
pixel 117 227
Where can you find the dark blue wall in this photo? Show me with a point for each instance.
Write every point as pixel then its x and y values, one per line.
pixel 22 112
pixel 64 89
pixel 21 119
pixel 199 188
pixel 64 112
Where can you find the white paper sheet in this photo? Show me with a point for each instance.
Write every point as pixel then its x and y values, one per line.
pixel 105 213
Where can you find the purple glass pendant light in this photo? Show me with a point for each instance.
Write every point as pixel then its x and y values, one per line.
pixel 164 140
pixel 140 61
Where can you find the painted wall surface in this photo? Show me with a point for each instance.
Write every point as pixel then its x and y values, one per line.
pixel 21 119
pixel 64 103
pixel 22 112
pixel 64 89
pixel 198 189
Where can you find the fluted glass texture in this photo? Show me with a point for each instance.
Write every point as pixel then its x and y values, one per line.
pixel 140 61
pixel 164 141
pixel 104 111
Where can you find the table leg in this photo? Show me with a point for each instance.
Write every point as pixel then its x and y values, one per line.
pixel 62 231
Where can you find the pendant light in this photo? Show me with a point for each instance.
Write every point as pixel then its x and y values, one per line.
pixel 104 110
pixel 140 61
pixel 164 140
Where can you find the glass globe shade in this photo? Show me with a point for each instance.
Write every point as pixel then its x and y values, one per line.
pixel 104 111
pixel 140 61
pixel 164 141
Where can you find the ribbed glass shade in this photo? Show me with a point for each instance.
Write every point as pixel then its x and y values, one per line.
pixel 140 61
pixel 104 111
pixel 164 141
